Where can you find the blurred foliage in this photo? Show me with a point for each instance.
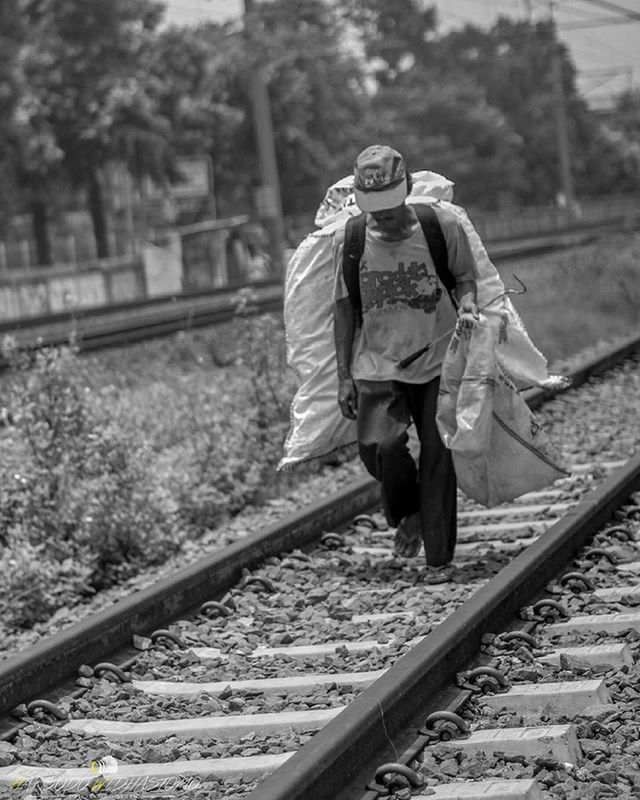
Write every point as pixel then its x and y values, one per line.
pixel 82 102
pixel 582 296
pixel 79 486
pixel 107 468
pixel 86 84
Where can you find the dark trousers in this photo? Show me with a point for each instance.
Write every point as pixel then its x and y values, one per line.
pixel 385 411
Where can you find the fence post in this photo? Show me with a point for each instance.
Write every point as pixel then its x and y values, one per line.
pixel 25 254
pixel 72 252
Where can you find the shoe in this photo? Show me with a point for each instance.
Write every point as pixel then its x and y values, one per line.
pixel 408 538
pixel 443 574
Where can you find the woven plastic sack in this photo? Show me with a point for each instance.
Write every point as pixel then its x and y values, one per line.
pixel 499 449
pixel 317 428
pixel 465 399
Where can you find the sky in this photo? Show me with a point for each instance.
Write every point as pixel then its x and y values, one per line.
pixel 607 56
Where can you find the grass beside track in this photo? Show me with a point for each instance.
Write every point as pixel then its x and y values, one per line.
pixel 581 296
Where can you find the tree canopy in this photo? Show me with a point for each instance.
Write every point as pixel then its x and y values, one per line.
pixel 86 84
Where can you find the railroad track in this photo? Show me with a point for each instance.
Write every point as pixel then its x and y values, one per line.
pixel 128 322
pixel 309 636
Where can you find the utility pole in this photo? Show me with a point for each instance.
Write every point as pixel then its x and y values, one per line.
pixel 267 197
pixel 562 130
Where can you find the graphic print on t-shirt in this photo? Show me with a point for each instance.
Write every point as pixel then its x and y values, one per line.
pixel 413 286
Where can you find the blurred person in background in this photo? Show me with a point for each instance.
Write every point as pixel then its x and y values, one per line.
pixel 238 258
pixel 259 259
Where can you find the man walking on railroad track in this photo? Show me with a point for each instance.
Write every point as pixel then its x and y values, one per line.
pixel 403 275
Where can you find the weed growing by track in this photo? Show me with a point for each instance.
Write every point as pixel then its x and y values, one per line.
pixel 79 506
pixel 580 296
pixel 109 466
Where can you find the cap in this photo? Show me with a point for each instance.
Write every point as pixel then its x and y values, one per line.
pixel 380 178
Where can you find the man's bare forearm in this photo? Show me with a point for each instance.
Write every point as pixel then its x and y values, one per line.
pixel 466 292
pixel 344 328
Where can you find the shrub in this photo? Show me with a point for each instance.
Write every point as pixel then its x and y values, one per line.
pixel 123 519
pixel 33 585
pixel 84 494
pixel 114 466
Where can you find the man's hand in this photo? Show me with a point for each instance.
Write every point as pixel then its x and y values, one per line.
pixel 348 398
pixel 468 311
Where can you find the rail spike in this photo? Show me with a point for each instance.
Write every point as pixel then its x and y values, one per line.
pixel 391 773
pixel 332 541
pixel 511 640
pixel 452 724
pixel 365 519
pixel 49 708
pixel 554 610
pixel 207 609
pixel 577 582
pixel 483 679
pixel 257 580
pixel 619 532
pixel 600 552
pixel 162 634
pixel 106 667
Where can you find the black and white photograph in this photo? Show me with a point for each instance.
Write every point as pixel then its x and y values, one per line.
pixel 320 399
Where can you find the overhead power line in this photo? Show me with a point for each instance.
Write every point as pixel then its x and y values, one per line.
pixel 595 23
pixel 604 71
pixel 609 6
pixel 568 6
pixel 598 85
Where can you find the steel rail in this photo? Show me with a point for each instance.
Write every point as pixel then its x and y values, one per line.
pixel 36 670
pixel 321 769
pixel 91 337
pixel 184 299
pixel 183 314
pixel 595 365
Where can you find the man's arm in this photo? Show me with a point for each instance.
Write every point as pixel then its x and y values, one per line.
pixel 466 292
pixel 344 328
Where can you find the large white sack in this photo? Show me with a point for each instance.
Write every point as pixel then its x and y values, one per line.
pixel 500 451
pixel 317 427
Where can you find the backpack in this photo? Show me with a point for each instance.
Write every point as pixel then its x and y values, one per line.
pixel 354 237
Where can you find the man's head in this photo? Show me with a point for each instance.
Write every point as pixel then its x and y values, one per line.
pixel 381 179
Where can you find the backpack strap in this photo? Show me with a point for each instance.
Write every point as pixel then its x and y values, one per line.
pixel 354 235
pixel 437 245
pixel 354 238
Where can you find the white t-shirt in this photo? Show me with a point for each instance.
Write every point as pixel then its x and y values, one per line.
pixel 404 304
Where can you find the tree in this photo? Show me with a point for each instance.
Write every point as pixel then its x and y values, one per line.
pixel 318 97
pixel 28 152
pixel 612 161
pixel 11 31
pixel 85 63
pixel 394 36
pixel 439 117
pixel 513 62
pixel 194 74
pixel 316 94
